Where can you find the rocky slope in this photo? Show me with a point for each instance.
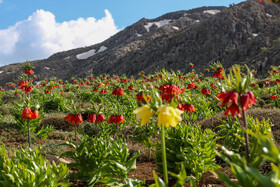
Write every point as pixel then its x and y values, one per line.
pixel 247 33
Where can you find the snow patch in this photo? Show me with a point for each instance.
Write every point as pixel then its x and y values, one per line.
pixel 85 55
pixel 66 58
pixel 268 15
pixel 176 28
pixel 90 53
pixel 139 35
pixel 47 68
pixel 158 24
pixel 197 21
pixel 255 35
pixel 1 72
pixel 213 12
pixel 101 49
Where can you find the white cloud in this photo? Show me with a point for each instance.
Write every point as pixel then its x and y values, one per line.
pixel 40 36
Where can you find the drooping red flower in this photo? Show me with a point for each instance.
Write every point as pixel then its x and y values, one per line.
pixel 26 113
pixel 171 89
pixel 28 89
pixel 247 100
pixel 34 115
pixel 191 85
pixel 218 75
pixel 118 92
pixel 274 97
pixel 104 91
pixel 21 84
pixel 116 119
pixel 166 97
pixel 186 107
pixel 141 99
pixel 189 108
pixel 233 109
pixel 92 118
pixel 204 91
pixel 100 118
pixel 131 88
pixel 70 118
pixel 29 72
pixel 229 98
pixel 78 119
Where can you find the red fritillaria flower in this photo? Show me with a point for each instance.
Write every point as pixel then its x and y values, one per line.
pixel 22 83
pixel 34 115
pixel 116 119
pixel 233 109
pixel 274 97
pixel 218 75
pixel 131 88
pixel 191 85
pixel 77 118
pixel 204 91
pixel 118 92
pixel 186 107
pixel 141 99
pixel 70 118
pixel 26 113
pixel 229 98
pixel 247 100
pixel 28 89
pixel 29 72
pixel 100 118
pixel 92 118
pixel 103 91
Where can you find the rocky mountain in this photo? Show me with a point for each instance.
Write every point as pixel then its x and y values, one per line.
pixel 246 33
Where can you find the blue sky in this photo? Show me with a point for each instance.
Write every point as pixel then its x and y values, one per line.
pixel 35 29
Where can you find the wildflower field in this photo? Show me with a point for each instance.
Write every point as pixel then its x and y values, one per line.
pixel 162 129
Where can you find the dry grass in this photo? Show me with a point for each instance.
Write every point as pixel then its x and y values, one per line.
pixel 57 120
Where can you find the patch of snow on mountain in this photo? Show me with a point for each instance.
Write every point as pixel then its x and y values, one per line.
pixel 176 28
pixel 211 11
pixel 85 55
pixel 101 49
pixel 1 72
pixel 47 68
pixel 139 35
pixel 66 58
pixel 158 24
pixel 268 15
pixel 255 35
pixel 197 21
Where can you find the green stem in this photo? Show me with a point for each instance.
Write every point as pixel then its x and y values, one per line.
pixel 246 136
pixel 163 149
pixel 29 138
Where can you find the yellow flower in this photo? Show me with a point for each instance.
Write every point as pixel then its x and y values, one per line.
pixel 143 113
pixel 167 115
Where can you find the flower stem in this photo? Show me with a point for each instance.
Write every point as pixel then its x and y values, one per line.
pixel 29 138
pixel 163 149
pixel 246 136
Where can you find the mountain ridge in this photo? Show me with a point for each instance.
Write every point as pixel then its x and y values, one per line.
pixel 243 33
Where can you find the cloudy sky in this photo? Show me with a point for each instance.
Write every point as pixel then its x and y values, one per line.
pixel 35 29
